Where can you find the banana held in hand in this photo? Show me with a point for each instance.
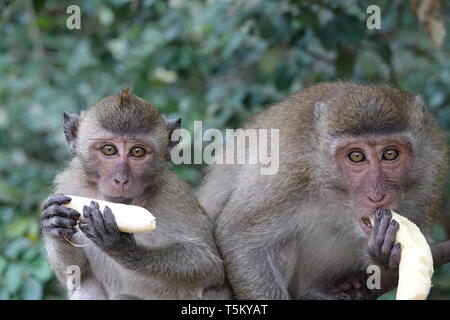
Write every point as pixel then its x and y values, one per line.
pixel 416 261
pixel 129 218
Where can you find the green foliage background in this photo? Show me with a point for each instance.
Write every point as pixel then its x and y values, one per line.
pixel 216 61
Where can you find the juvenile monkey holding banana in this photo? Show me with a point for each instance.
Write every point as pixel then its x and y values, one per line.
pixel 120 148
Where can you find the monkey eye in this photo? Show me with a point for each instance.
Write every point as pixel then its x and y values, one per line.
pixel 109 150
pixel 390 154
pixel 137 152
pixel 356 156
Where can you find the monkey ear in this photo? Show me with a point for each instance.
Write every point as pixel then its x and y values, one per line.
pixel 71 123
pixel 172 125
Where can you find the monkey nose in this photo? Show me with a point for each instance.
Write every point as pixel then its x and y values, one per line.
pixel 120 181
pixel 376 198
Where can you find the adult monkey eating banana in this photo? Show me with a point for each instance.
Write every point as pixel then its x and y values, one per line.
pixel 121 146
pixel 346 151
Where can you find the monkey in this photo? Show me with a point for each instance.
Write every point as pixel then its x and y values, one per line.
pixel 347 152
pixel 120 149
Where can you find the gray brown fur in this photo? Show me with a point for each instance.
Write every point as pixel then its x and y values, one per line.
pixel 292 234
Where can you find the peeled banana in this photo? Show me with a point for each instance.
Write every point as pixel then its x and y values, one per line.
pixel 416 261
pixel 129 218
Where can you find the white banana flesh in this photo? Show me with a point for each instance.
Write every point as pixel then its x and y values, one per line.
pixel 416 261
pixel 129 218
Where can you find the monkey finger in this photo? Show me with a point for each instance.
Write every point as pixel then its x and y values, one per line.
pixel 95 205
pixel 87 216
pixel 59 222
pixel 374 249
pixel 86 229
pixel 110 220
pixel 97 218
pixel 95 222
pixel 59 232
pixel 71 213
pixel 58 199
pixel 381 232
pixel 88 220
pixel 377 219
pixel 394 258
pixel 83 225
pixel 57 210
pixel 389 241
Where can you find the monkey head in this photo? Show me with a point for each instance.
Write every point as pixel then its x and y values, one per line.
pixel 384 148
pixel 122 143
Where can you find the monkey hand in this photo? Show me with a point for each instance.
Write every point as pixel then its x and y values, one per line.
pixel 58 221
pixel 355 287
pixel 102 229
pixel 384 250
pixel 382 246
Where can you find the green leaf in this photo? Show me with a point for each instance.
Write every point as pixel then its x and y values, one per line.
pixel 345 61
pixel 4 294
pixel 16 247
pixel 3 264
pixel 14 277
pixel 9 193
pixel 389 295
pixel 17 227
pixel 438 232
pixel 41 269
pixel 31 290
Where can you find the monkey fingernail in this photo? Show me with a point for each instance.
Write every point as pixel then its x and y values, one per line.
pixel 379 212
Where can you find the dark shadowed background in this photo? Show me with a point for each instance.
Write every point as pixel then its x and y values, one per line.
pixel 216 61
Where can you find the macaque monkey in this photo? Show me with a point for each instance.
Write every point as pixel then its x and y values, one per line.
pixel 346 152
pixel 120 148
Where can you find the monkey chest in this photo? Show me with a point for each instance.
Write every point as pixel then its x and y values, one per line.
pixel 323 255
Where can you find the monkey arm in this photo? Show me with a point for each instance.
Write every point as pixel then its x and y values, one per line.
pixel 441 253
pixel 253 275
pixel 61 255
pixel 190 261
pixel 252 252
pixel 185 261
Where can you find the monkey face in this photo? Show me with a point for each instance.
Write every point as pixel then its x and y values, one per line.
pixel 374 169
pixel 122 166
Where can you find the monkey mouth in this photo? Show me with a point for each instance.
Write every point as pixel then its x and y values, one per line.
pixel 125 200
pixel 366 225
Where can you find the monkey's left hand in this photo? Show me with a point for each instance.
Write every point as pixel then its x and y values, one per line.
pixel 102 229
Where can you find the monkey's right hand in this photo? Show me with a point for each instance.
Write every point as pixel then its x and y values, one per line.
pixel 382 245
pixel 58 221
